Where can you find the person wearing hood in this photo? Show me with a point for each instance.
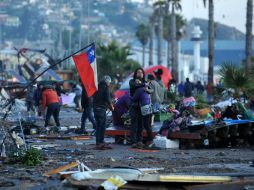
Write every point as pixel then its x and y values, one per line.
pixel 50 100
pixel 101 102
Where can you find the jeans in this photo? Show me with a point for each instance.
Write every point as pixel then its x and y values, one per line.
pixel 30 106
pixel 53 109
pixel 138 123
pixel 87 113
pixel 100 117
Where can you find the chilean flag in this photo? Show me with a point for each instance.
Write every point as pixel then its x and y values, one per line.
pixel 87 69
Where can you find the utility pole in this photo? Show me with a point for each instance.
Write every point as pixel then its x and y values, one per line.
pixel 88 34
pixel 80 28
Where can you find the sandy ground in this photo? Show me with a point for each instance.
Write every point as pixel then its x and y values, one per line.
pixel 174 161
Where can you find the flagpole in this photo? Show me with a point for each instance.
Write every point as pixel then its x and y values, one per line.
pixel 11 101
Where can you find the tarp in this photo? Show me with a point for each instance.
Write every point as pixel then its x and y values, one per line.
pixel 68 99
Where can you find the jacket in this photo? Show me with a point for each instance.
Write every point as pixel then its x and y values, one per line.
pixel 158 94
pixel 85 100
pixel 141 97
pixel 49 96
pixel 102 97
pixel 133 86
pixel 123 104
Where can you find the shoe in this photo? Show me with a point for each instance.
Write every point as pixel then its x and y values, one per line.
pixel 149 144
pixel 107 146
pixel 140 145
pixel 100 147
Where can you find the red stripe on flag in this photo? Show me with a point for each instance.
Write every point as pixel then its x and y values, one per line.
pixel 85 72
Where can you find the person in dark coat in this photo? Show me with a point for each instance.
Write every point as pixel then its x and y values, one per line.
pixel 181 89
pixel 138 82
pixel 101 102
pixel 200 88
pixel 188 88
pixel 38 98
pixel 30 98
pixel 87 106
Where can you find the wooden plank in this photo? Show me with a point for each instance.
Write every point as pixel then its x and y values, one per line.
pixel 60 169
pixel 180 135
pixel 194 179
pixel 81 137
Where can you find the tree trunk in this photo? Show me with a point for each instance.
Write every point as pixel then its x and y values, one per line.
pixel 211 35
pixel 173 45
pixel 169 56
pixel 248 43
pixel 151 36
pixel 160 36
pixel 143 58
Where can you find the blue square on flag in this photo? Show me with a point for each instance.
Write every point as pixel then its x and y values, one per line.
pixel 91 54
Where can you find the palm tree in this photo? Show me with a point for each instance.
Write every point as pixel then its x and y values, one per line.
pixel 180 23
pixel 236 78
pixel 248 42
pixel 160 11
pixel 175 5
pixel 113 60
pixel 211 37
pixel 142 35
pixel 151 38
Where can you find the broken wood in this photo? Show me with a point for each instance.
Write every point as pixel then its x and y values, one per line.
pixel 64 137
pixel 60 169
pixel 194 179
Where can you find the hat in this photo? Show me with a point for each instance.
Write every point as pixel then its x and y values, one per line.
pixel 107 79
pixel 48 86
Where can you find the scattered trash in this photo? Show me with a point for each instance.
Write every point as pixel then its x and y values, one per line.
pixel 113 183
pixel 62 168
pixel 164 143
pixel 45 146
pixel 81 176
pixel 112 159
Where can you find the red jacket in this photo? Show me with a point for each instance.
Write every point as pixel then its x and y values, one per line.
pixel 49 96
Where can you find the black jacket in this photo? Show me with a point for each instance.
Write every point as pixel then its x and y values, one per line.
pixel 85 100
pixel 102 98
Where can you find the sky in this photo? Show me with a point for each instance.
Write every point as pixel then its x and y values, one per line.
pixel 229 12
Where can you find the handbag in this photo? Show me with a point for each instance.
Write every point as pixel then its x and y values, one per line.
pixel 146 110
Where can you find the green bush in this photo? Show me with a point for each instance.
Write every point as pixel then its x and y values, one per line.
pixel 32 157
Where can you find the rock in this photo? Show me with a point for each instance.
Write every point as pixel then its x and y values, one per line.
pixel 7 184
pixel 112 159
pixel 174 170
pixel 221 154
pixel 89 157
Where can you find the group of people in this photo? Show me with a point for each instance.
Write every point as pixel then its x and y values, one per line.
pixel 186 89
pixel 143 100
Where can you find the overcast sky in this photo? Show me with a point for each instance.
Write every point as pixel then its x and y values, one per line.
pixel 230 12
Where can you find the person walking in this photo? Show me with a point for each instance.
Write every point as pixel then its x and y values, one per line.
pixel 181 89
pixel 30 99
pixel 38 98
pixel 101 102
pixel 188 88
pixel 50 100
pixel 87 106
